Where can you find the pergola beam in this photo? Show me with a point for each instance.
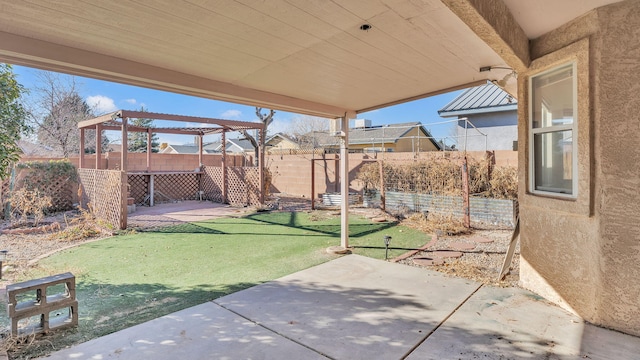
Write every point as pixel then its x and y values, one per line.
pixel 99 120
pixel 155 130
pixel 202 120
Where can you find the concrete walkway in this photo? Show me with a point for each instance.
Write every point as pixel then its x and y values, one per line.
pixel 360 308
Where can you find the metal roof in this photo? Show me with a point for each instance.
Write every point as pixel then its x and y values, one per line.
pixel 480 99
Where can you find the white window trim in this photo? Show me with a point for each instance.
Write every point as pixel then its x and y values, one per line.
pixel 556 128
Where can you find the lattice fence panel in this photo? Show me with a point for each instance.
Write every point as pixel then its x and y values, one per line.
pixel 172 187
pixel 138 188
pixel 212 183
pixel 103 190
pixel 252 181
pixel 4 195
pixel 236 186
pixel 61 189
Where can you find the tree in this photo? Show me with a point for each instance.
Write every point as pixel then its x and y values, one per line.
pixel 13 119
pixel 266 120
pixel 306 129
pixel 137 141
pixel 57 109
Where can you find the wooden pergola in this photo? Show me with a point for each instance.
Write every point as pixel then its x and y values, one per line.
pixel 119 121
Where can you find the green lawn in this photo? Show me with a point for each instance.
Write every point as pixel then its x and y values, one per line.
pixel 129 279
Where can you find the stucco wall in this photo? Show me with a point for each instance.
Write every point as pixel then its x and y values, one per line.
pixel 414 140
pixel 585 253
pixel 501 129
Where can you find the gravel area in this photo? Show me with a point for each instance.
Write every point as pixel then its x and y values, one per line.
pixel 481 264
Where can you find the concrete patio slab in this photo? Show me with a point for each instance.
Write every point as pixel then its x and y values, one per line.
pixel 511 323
pixel 360 308
pixel 354 307
pixel 205 331
pixel 180 212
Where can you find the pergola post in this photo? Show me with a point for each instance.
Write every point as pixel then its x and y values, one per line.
pixel 261 165
pixel 224 166
pixel 98 146
pixel 81 155
pixel 200 145
pixel 149 149
pixel 344 182
pixel 125 145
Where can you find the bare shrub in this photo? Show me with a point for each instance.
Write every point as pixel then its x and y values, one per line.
pixel 442 177
pixel 504 183
pixel 28 203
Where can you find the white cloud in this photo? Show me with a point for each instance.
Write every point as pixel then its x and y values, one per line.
pixel 231 114
pixel 130 101
pixel 101 104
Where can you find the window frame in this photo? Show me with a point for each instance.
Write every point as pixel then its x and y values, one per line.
pixel 573 127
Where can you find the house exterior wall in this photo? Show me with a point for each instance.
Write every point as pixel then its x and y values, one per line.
pixel 583 254
pixel 281 144
pixel 414 141
pixel 501 129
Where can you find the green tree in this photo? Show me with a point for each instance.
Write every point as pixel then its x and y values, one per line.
pixel 137 141
pixel 13 119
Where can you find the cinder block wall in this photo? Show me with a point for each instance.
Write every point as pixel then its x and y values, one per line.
pixel 483 211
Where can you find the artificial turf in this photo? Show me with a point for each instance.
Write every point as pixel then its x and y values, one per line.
pixel 128 279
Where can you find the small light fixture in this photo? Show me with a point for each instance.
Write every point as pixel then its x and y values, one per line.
pixel 503 82
pixel 387 241
pixel 365 27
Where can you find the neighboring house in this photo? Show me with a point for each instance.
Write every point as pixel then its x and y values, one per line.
pixel 492 111
pixel 233 146
pixel 30 149
pixel 180 149
pixel 281 141
pixel 403 137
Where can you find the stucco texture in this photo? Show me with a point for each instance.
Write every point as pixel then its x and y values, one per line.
pixel 585 253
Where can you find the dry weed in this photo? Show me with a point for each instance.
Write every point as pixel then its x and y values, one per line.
pixel 28 203
pixel 436 223
pixel 85 226
pixel 504 183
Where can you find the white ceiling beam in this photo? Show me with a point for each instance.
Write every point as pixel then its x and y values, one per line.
pixel 21 50
pixel 422 96
pixel 493 22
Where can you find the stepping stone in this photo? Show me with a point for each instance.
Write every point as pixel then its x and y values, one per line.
pixel 446 254
pixel 462 246
pixel 481 240
pixel 379 220
pixel 426 261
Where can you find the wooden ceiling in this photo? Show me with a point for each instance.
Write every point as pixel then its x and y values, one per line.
pixel 297 55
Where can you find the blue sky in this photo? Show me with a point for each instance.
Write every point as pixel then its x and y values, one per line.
pixel 108 96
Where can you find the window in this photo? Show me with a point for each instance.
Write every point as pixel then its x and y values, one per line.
pixel 553 132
